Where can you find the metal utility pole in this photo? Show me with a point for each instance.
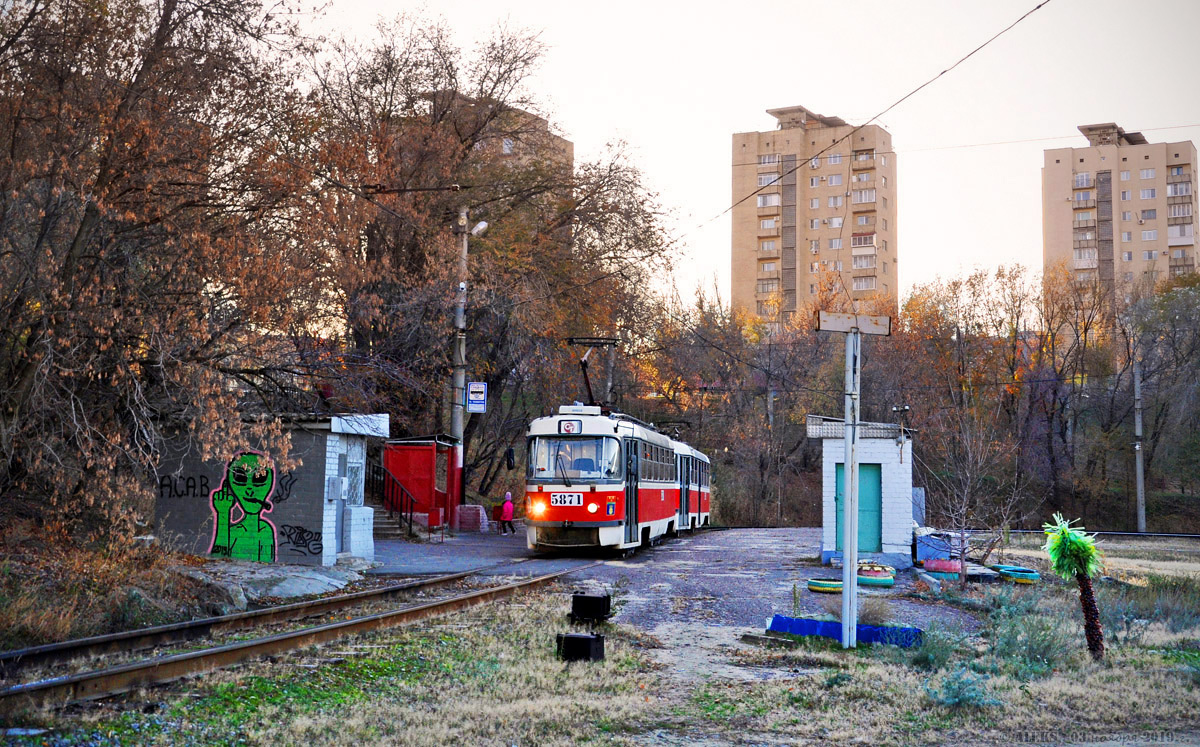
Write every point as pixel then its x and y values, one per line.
pixel 458 396
pixel 1139 455
pixel 854 325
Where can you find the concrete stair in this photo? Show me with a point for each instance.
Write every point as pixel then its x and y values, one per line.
pixel 386 527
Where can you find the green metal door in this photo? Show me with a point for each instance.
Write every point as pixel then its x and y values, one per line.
pixel 870 507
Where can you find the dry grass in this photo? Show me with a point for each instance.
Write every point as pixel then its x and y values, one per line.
pixel 52 588
pixel 871 610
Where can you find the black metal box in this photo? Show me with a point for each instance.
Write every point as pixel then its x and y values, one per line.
pixel 580 647
pixel 593 607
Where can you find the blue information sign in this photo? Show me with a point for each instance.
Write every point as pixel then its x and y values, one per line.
pixel 476 396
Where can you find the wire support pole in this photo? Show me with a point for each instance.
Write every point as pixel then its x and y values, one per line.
pixel 458 395
pixel 850 492
pixel 1139 453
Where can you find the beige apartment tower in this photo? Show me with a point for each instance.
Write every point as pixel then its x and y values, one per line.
pixel 1121 210
pixel 815 208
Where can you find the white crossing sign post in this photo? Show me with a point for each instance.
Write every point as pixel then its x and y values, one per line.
pixel 477 396
pixel 854 325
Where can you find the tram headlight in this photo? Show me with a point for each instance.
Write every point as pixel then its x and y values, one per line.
pixel 538 508
pixel 593 508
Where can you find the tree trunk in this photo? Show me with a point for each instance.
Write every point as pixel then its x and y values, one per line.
pixel 1091 617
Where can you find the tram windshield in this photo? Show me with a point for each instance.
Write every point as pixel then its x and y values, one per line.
pixel 565 458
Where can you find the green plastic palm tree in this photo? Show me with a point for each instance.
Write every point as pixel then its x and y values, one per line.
pixel 1073 554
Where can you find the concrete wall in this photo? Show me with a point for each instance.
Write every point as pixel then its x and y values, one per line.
pixel 897 497
pixel 311 510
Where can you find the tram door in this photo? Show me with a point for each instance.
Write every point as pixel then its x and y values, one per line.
pixel 685 473
pixel 631 491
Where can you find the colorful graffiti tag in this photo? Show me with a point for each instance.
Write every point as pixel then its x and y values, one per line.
pixel 248 482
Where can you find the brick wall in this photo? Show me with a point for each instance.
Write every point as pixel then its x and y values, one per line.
pixel 896 499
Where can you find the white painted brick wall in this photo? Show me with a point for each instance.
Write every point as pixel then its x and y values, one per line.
pixel 896 496
pixel 358 531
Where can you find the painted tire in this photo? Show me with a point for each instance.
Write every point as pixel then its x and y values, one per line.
pixel 942 566
pixel 825 585
pixel 875 569
pixel 1017 573
pixel 877 581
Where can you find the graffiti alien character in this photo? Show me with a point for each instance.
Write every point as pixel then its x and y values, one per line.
pixel 248 482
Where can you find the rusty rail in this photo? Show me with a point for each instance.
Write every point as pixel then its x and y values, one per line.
pixel 160 670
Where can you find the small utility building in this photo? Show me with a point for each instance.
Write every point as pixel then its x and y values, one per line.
pixel 885 495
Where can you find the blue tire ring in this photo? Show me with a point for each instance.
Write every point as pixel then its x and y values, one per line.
pixel 1017 573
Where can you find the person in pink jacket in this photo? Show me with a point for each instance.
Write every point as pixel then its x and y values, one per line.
pixel 506 515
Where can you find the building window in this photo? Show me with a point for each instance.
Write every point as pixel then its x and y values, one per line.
pixel 1124 176
pixel 1176 171
pixel 864 284
pixel 862 176
pixel 884 203
pixel 833 159
pixel 859 196
pixel 1128 276
pixel 768 200
pixel 1085 254
pixel 1085 235
pixel 814 245
pixel 836 222
pixel 885 224
pixel 764 308
pixel 1127 256
pixel 863 220
pixel 507 146
pixel 1178 254
pixel 812 288
pixel 768 286
pixel 835 180
pixel 868 240
pixel 1149 194
pixel 814 203
pixel 768 158
pixel 864 262
pixel 814 267
pixel 1179 211
pixel 1151 235
pixel 864 155
pixel 883 160
pixel 814 223
pixel 835 243
pixel 815 162
pixel 1150 214
pixel 767 266
pixel 765 179
pixel 1147 173
pixel 1083 179
pixel 1179 190
pixel 1126 215
pixel 1085 215
pixel 883 244
pixel 1126 195
pixel 1127 236
pixel 767 246
pixel 1083 196
pixel 835 201
pixel 768 223
pixel 1149 254
pixel 814 181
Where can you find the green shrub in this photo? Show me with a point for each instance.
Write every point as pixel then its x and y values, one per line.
pixel 1122 622
pixel 938 646
pixel 961 689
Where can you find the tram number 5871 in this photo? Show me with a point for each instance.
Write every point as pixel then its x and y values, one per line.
pixel 566 499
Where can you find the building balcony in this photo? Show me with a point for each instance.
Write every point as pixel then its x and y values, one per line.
pixel 1179 200
pixel 765 253
pixel 1084 244
pixel 1087 183
pixel 769 275
pixel 859 164
pixel 1084 223
pixel 1178 178
pixel 1179 221
pixel 1181 261
pixel 1086 264
pixel 1181 240
pixel 769 210
pixel 766 233
pixel 866 272
pixel 1080 204
pixel 862 207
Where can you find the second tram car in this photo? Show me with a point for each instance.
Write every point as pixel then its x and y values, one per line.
pixel 599 479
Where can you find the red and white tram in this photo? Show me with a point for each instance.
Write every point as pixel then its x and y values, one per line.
pixel 599 479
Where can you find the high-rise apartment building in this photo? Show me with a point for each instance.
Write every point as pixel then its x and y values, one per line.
pixel 1121 210
pixel 815 206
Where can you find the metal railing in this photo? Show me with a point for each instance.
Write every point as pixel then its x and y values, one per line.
pixel 384 488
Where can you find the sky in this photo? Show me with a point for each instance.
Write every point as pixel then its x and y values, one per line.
pixel 675 80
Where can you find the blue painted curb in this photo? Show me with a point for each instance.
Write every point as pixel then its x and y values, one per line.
pixel 902 637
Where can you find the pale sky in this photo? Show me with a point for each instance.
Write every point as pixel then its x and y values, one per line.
pixel 675 80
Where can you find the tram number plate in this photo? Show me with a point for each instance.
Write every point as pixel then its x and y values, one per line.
pixel 566 499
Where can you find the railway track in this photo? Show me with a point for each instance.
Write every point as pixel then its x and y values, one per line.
pixel 163 669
